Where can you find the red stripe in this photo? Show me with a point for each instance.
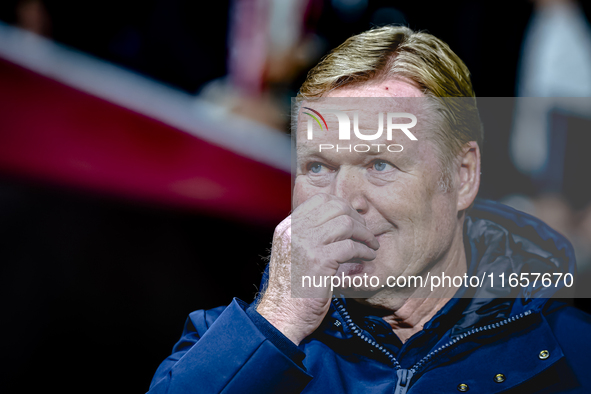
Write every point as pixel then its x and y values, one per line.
pixel 318 113
pixel 55 133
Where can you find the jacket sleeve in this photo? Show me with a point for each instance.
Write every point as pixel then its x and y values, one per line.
pixel 231 356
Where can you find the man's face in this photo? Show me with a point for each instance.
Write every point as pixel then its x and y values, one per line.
pixel 397 193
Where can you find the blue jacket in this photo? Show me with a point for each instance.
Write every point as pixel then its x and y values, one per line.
pixel 492 340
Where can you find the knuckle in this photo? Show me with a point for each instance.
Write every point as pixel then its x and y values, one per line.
pixel 320 198
pixel 347 221
pixel 339 206
pixel 349 246
pixel 283 226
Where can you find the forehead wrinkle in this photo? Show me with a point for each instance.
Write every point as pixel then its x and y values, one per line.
pixel 304 149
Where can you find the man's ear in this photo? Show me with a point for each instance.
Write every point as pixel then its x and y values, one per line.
pixel 469 175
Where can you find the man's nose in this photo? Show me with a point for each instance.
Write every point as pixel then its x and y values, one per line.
pixel 349 185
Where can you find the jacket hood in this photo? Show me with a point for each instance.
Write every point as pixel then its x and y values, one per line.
pixel 499 239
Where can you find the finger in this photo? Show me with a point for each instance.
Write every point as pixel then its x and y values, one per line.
pixel 312 203
pixel 284 226
pixel 345 227
pixel 322 208
pixel 346 209
pixel 343 251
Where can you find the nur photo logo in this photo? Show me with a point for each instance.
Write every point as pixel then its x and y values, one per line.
pixel 344 129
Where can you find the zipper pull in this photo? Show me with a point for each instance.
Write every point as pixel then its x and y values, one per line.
pixel 404 378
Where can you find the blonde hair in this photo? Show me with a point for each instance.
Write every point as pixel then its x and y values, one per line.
pixel 397 51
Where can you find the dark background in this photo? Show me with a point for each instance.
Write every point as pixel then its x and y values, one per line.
pixel 95 289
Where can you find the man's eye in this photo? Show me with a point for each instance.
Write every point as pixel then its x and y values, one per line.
pixel 380 165
pixel 316 168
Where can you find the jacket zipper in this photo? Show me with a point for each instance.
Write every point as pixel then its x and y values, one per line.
pixel 404 376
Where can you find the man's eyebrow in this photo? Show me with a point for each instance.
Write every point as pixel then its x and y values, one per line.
pixel 307 153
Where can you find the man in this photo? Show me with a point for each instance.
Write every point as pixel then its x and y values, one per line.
pixel 386 213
